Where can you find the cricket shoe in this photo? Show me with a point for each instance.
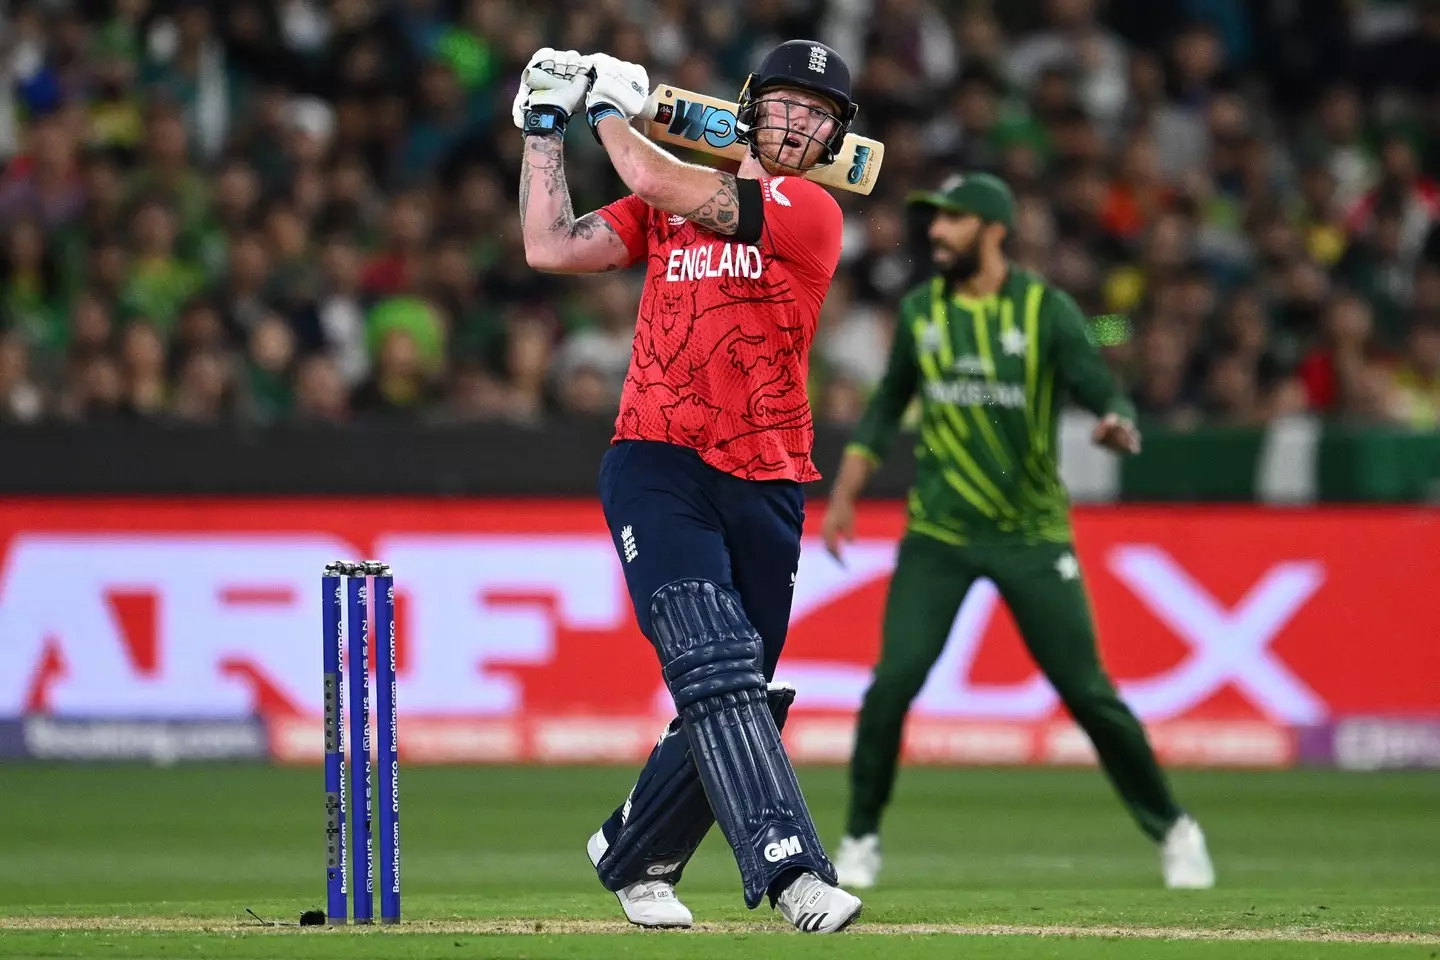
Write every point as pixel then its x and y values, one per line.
pixel 816 907
pixel 1185 859
pixel 857 864
pixel 648 903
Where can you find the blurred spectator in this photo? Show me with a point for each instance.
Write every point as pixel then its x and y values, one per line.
pixel 1333 371
pixel 201 329
pixel 445 117
pixel 30 295
pixel 476 393
pixel 45 181
pixel 1233 396
pixel 269 369
pixel 97 388
pixel 1076 39
pixel 1243 335
pixel 399 384
pixel 186 66
pixel 91 329
pixel 1164 388
pixel 1376 266
pixel 1197 59
pixel 1139 194
pixel 1339 140
pixel 20 399
pixel 585 389
pixel 243 294
pixel 401 264
pixel 589 366
pixel 142 360
pixel 167 176
pixel 884 270
pixel 1404 192
pixel 158 281
pixel 421 321
pixel 456 291
pixel 1415 382
pixel 320 393
pixel 854 339
pixel 842 402
pixel 526 359
pixel 204 391
pixel 339 311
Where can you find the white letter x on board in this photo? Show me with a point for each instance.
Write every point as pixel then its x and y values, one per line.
pixel 1227 646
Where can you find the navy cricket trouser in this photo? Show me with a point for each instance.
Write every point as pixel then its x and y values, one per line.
pixel 674 517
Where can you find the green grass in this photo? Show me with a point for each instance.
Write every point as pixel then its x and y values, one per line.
pixel 124 861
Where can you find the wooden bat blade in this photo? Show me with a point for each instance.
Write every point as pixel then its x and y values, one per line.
pixel 708 124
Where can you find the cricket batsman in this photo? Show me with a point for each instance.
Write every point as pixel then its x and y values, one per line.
pixel 993 351
pixel 701 487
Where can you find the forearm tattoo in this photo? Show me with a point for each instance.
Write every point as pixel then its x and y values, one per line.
pixel 721 212
pixel 543 163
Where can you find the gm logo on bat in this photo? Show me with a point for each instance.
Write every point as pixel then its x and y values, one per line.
pixel 858 165
pixel 695 121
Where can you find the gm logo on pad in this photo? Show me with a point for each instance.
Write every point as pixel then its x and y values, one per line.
pixel 780 849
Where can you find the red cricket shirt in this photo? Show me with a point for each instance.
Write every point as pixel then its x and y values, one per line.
pixel 722 344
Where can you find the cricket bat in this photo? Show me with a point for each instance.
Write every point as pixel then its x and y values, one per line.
pixel 707 124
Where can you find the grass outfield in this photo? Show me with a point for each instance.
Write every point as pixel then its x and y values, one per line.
pixel 122 861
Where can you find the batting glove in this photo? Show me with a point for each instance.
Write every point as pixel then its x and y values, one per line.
pixel 619 88
pixel 552 87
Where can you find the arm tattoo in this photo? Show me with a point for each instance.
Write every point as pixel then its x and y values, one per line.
pixel 543 166
pixel 544 163
pixel 721 212
pixel 524 187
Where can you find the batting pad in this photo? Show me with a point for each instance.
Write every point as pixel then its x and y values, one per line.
pixel 712 667
pixel 667 814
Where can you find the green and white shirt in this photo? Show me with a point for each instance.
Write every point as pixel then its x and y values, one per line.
pixel 991 375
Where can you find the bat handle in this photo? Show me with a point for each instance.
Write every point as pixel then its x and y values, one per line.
pixel 652 106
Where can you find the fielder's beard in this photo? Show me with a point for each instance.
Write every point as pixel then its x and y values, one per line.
pixel 963 265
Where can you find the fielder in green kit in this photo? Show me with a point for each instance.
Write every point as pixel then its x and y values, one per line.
pixel 993 351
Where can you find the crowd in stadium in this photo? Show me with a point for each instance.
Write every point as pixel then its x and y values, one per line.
pixel 303 209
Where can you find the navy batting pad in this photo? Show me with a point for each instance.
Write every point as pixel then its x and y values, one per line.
pixel 667 815
pixel 712 666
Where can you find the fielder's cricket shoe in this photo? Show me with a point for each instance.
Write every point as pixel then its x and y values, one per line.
pixel 857 863
pixel 649 903
pixel 1185 859
pixel 816 907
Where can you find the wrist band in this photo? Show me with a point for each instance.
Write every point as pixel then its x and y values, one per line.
pixel 599 112
pixel 545 120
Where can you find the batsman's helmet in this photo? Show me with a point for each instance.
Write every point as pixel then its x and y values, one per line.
pixel 807 65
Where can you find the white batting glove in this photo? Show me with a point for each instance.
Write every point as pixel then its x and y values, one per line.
pixel 517 108
pixel 618 87
pixel 552 87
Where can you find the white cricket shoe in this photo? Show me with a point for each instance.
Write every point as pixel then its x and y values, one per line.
pixel 858 862
pixel 816 907
pixel 1185 859
pixel 648 903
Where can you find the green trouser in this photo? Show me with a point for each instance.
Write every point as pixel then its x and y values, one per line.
pixel 1046 596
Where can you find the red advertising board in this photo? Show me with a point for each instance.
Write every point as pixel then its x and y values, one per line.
pixel 1227 629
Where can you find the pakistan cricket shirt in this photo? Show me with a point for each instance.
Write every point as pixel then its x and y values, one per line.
pixel 992 374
